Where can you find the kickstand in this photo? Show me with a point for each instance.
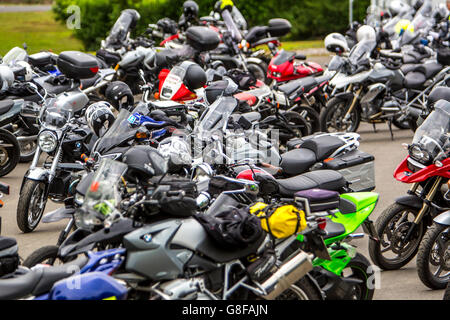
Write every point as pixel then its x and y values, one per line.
pixel 390 129
pixel 374 127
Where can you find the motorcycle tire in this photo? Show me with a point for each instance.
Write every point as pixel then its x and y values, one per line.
pixel 259 71
pixel 359 266
pixel 426 251
pixel 338 107
pixel 311 115
pixel 26 223
pixel 447 292
pixel 304 289
pixel 391 215
pixel 10 155
pixel 45 255
pixel 302 126
pixel 402 125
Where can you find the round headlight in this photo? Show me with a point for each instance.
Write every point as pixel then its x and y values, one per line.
pixel 47 141
pixel 419 154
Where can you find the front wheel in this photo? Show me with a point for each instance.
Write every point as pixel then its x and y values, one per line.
pixel 392 252
pixel 311 115
pixel 433 258
pixel 447 292
pixel 333 118
pixel 45 255
pixel 9 152
pixel 31 205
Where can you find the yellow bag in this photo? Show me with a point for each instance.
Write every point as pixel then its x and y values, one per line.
pixel 280 221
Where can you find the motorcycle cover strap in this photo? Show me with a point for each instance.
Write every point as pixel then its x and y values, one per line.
pixel 280 221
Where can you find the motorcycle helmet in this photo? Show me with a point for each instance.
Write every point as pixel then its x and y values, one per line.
pixel 99 117
pixel 177 151
pixel 397 6
pixel 6 78
pixel 190 9
pixel 336 43
pixel 441 12
pixel 195 76
pixel 120 95
pixel 404 25
pixel 366 33
pixel 27 71
pixel 144 162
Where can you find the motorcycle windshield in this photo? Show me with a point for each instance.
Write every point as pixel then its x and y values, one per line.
pixel 361 51
pixel 335 63
pixel 102 196
pixel 14 55
pixel 120 29
pixel 123 129
pixel 53 115
pixel 216 117
pixel 433 134
pixel 282 57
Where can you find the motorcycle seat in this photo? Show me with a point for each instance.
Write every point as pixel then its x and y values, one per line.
pixel 297 161
pixel 439 93
pixel 429 69
pixel 306 83
pixel 406 68
pixel 414 80
pixel 333 229
pixel 5 106
pixel 322 79
pixel 87 83
pixel 323 145
pixel 322 179
pixel 250 116
pixel 39 281
pixel 6 243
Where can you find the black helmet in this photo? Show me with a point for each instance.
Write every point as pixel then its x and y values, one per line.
pixel 190 9
pixel 194 75
pixel 119 95
pixel 144 162
pixel 99 117
pixel 418 4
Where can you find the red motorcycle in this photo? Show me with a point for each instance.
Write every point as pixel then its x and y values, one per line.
pixel 402 225
pixel 284 67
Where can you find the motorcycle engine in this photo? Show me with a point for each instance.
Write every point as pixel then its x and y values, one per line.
pixel 183 289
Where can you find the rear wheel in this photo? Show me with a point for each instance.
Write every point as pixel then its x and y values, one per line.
pixel 311 115
pixel 358 268
pixel 304 289
pixel 45 255
pixel 433 258
pixel 392 226
pixel 332 117
pixel 9 152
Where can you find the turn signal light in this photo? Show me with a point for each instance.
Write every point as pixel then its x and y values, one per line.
pixel 141 135
pixel 156 95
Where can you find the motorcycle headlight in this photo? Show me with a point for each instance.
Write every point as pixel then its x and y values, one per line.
pixel 418 154
pixel 47 141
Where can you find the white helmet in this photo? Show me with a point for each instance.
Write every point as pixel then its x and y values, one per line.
pixel 336 43
pixel 397 6
pixel 366 33
pixel 6 78
pixel 28 70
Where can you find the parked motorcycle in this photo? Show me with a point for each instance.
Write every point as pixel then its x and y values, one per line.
pixel 402 226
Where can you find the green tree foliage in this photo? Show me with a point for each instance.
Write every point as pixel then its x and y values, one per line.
pixel 309 18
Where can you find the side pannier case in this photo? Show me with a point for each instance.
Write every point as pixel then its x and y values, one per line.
pixel 279 27
pixel 202 38
pixel 77 65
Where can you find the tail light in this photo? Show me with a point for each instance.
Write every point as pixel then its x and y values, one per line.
pixel 322 223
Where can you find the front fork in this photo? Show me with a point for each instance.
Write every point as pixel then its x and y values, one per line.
pixel 425 206
pixel 355 99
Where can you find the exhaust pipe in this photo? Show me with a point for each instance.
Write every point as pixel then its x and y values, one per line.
pixel 289 273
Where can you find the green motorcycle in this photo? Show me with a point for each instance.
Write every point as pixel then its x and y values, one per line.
pixel 340 271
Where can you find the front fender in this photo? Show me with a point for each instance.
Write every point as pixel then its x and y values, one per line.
pixel 411 201
pixel 443 218
pixel 345 96
pixel 36 174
